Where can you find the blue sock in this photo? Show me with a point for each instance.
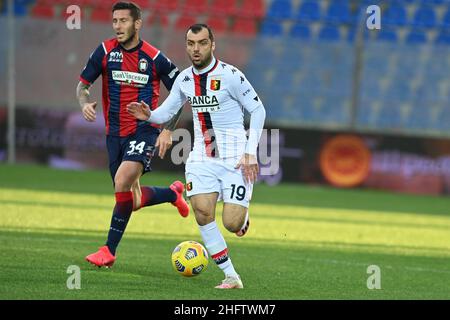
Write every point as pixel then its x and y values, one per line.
pixel 121 216
pixel 155 195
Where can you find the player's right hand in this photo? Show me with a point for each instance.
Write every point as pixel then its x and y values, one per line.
pixel 139 110
pixel 89 111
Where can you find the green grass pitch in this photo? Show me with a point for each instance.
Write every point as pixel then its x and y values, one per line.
pixel 305 242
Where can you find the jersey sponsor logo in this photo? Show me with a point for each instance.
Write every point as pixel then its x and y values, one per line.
pixel 204 103
pixel 115 56
pixel 242 79
pixel 215 84
pixel 143 65
pixel 130 78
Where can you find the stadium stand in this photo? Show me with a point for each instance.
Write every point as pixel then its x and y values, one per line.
pixel 311 48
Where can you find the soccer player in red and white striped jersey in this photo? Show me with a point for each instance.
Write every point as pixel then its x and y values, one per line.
pixel 223 163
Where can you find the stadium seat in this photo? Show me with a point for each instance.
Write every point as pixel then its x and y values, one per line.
pixel 244 27
pixel 300 31
pixel 389 116
pixel 446 19
pixel 395 15
pixel 398 91
pixel 158 18
pixel 143 4
pixel 308 11
pixel 352 33
pixel 425 17
pixel 43 11
pixel 271 29
pixel 223 7
pixel 20 7
pixel 338 12
pixel 416 37
pixel 252 9
pixel 329 33
pixel 167 6
pixel 365 114
pixel 193 7
pixel 218 23
pixel 388 35
pixel 81 3
pixel 419 118
pixel 101 15
pixel 55 2
pixel 280 9
pixel 435 1
pixel 184 22
pixel 443 37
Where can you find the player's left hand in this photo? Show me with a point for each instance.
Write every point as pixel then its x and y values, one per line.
pixel 140 110
pixel 249 167
pixel 164 142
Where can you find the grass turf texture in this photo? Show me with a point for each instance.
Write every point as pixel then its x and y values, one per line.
pixel 305 242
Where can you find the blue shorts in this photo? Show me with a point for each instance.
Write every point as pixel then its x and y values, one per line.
pixel 139 147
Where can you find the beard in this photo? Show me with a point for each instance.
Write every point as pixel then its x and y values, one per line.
pixel 203 63
pixel 131 33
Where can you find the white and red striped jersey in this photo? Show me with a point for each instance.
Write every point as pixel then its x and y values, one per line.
pixel 218 95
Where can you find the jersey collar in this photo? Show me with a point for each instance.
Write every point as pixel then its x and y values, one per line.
pixel 133 49
pixel 207 69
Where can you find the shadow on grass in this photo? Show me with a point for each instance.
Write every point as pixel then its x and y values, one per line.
pixel 143 270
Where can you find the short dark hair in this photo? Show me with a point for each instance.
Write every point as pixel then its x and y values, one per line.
pixel 196 28
pixel 135 10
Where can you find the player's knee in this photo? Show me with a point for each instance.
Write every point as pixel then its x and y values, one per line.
pixel 232 225
pixel 203 216
pixel 122 184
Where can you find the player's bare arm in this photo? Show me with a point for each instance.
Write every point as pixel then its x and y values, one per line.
pixel 87 108
pixel 164 141
pixel 249 166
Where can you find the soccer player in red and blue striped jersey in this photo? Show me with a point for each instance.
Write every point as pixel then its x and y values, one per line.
pixel 131 70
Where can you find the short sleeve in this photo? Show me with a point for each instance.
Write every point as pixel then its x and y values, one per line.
pixel 166 70
pixel 93 67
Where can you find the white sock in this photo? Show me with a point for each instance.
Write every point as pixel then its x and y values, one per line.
pixel 217 248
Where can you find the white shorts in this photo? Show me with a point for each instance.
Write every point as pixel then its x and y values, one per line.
pixel 216 175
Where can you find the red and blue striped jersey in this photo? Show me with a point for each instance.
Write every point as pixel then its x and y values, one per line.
pixel 128 76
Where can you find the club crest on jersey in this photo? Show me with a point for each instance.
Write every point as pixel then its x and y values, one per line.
pixel 143 65
pixel 189 186
pixel 215 84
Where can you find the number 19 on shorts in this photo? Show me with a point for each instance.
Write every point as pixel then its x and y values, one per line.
pixel 237 192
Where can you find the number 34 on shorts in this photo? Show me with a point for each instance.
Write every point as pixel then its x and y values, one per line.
pixel 135 149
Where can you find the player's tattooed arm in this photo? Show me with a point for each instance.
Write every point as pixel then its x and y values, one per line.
pixel 83 93
pixel 87 108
